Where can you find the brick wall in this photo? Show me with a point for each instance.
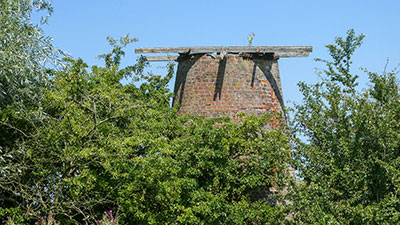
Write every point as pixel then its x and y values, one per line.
pixel 213 86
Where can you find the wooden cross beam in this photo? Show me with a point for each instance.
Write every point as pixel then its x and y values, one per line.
pixel 277 51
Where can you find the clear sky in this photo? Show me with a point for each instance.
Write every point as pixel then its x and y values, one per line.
pixel 79 27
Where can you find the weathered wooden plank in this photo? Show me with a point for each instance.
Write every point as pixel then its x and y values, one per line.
pixel 291 54
pixel 276 55
pixel 232 49
pixel 161 58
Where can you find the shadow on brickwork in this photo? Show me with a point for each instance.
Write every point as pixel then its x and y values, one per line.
pixel 220 79
pixel 266 67
pixel 184 65
pixel 253 75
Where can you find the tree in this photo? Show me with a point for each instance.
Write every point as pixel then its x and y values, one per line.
pixel 103 145
pixel 25 56
pixel 25 52
pixel 348 155
pixel 205 174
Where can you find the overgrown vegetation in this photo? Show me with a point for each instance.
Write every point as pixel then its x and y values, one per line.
pixel 90 144
pixel 76 143
pixel 348 158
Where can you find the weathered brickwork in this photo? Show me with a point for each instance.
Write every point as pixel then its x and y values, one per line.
pixel 214 86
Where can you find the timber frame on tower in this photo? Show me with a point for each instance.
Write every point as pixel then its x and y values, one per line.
pixel 267 52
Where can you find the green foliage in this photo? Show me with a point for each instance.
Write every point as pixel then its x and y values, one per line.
pixel 207 174
pixel 80 143
pixel 24 54
pixel 114 57
pixel 101 145
pixel 348 156
pixel 108 219
pixel 341 52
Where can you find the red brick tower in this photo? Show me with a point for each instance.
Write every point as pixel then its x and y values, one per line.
pixel 215 87
pixel 222 81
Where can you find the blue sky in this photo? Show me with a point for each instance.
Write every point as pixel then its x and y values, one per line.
pixel 80 28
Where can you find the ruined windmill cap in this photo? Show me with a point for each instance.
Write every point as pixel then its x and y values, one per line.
pixel 223 81
pixel 277 51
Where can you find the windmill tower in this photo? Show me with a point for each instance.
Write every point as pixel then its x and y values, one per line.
pixel 222 81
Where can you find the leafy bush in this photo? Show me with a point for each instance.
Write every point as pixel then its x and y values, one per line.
pixel 101 144
pixel 348 158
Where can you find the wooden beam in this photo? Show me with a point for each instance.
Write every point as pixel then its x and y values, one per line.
pixel 285 51
pixel 291 54
pixel 276 55
pixel 161 58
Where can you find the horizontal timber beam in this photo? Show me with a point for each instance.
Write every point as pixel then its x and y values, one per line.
pixel 282 51
pixel 276 55
pixel 161 58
